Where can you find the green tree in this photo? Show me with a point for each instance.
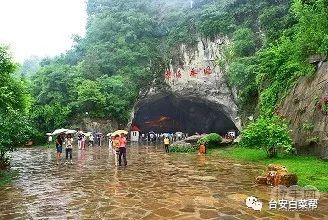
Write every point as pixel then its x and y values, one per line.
pixel 14 124
pixel 120 95
pixel 244 44
pixel 90 99
pixel 269 134
pixel 30 66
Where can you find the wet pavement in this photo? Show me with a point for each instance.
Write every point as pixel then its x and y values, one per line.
pixel 154 185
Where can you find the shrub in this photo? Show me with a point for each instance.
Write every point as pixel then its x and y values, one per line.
pixel 176 149
pixel 210 140
pixel 269 134
pixel 308 126
pixel 4 161
pixel 322 105
pixel 14 131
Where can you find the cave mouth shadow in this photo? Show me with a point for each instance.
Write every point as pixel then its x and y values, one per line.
pixel 172 114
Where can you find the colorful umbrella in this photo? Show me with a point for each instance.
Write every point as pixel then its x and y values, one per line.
pixel 119 132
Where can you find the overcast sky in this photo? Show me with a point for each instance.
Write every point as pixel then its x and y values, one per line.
pixel 40 27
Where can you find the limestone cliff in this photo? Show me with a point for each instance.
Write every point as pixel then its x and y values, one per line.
pixel 308 123
pixel 96 125
pixel 194 76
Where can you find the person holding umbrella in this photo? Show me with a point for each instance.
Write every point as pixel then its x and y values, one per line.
pixel 59 147
pixel 166 144
pixel 119 144
pixel 69 147
pixel 122 150
pixel 79 139
pixel 116 147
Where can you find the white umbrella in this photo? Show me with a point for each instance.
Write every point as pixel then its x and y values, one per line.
pixel 87 134
pixel 48 134
pixel 59 131
pixel 70 132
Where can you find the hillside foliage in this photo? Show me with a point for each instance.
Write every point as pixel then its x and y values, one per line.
pixel 14 103
pixel 128 44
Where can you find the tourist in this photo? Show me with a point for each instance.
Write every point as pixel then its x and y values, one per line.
pixel 49 140
pixel 99 139
pixel 91 140
pixel 83 141
pixel 69 147
pixel 166 144
pixel 59 147
pixel 115 147
pixel 122 150
pixel 110 142
pixel 79 139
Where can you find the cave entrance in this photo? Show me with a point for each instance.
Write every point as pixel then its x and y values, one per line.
pixel 172 114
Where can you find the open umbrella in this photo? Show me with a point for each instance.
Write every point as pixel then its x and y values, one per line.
pixel 87 134
pixel 119 132
pixel 70 132
pixel 59 131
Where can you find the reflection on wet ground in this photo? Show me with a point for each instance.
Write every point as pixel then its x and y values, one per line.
pixel 154 185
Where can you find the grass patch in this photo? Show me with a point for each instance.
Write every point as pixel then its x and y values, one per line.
pixel 6 177
pixel 309 169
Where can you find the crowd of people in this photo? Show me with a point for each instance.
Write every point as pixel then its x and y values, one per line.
pixel 159 137
pixel 118 145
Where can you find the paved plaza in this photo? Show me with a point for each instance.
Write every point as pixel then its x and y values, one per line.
pixel 154 185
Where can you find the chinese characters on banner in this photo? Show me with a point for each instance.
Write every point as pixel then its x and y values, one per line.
pixel 167 74
pixel 207 70
pixel 192 73
pixel 294 198
pixel 178 74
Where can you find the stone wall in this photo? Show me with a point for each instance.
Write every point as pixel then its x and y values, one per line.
pixel 308 124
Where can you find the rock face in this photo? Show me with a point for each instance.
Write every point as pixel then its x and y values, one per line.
pixel 100 125
pixel 194 82
pixel 309 123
